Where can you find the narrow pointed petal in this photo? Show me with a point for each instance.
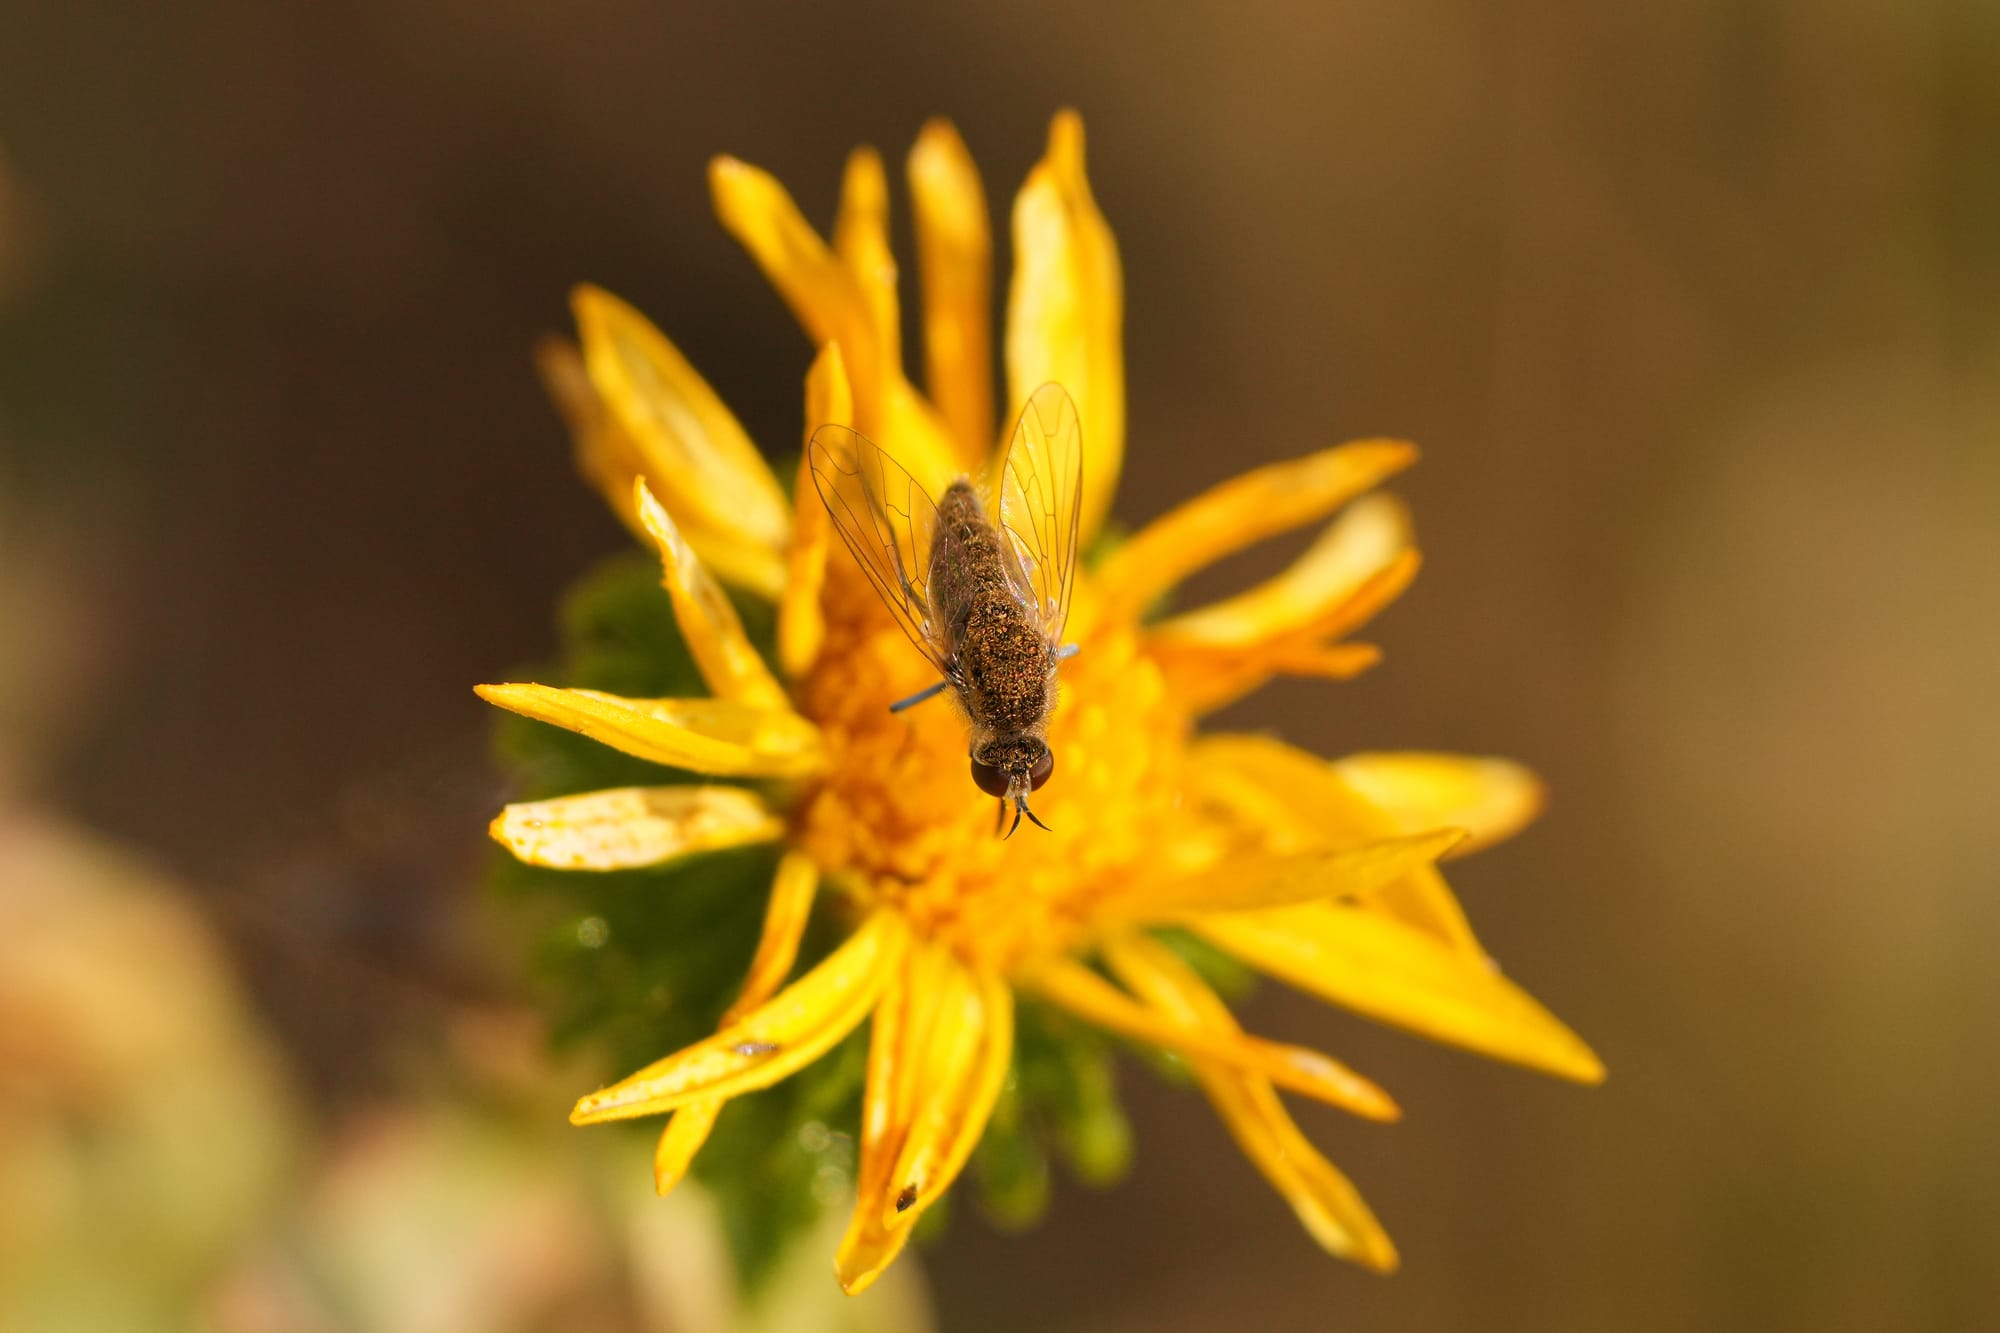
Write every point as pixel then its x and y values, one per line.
pixel 1368 535
pixel 792 892
pixel 708 623
pixel 1214 666
pixel 1492 799
pixel 861 241
pixel 1095 1000
pixel 1390 971
pixel 626 827
pixel 955 259
pixel 611 462
pixel 1297 800
pixel 801 623
pixel 1239 513
pixel 771 1042
pixel 1255 882
pixel 1333 661
pixel 694 450
pixel 777 949
pixel 830 305
pixel 820 289
pixel 1066 309
pixel 969 1052
pixel 1325 1201
pixel 686 1131
pixel 714 736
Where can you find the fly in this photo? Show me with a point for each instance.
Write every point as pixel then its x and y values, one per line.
pixel 980 579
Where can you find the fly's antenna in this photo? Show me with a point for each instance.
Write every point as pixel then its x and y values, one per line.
pixel 1021 808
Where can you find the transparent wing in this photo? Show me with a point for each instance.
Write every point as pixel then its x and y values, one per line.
pixel 1038 502
pixel 887 520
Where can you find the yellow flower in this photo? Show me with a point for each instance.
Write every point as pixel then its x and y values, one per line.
pixel 1320 874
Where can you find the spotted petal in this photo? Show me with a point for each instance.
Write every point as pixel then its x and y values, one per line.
pixel 716 736
pixel 888 1104
pixel 770 1042
pixel 966 1063
pixel 627 827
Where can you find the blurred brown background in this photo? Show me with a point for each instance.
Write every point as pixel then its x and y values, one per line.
pixel 1695 308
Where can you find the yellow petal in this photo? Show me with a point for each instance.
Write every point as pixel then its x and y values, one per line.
pixel 1368 536
pixel 708 623
pixel 1095 1000
pixel 1297 800
pixel 888 1101
pixel 1252 883
pixel 829 303
pixel 1324 1200
pixel 1396 973
pixel 633 826
pixel 955 258
pixel 716 736
pixel 1333 661
pixel 610 462
pixel 686 1131
pixel 971 1046
pixel 785 917
pixel 771 1042
pixel 820 289
pixel 801 624
pixel 1492 799
pixel 1239 513
pixel 1216 667
pixel 1066 309
pixel 694 452
pixel 777 949
pixel 861 240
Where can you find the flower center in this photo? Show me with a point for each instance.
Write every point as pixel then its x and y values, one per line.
pixel 900 820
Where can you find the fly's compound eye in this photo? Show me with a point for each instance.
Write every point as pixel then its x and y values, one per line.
pixel 989 779
pixel 1043 767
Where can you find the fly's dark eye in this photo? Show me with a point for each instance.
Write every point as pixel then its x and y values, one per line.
pixel 1043 767
pixel 989 779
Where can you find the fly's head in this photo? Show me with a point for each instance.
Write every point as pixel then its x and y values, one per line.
pixel 1010 767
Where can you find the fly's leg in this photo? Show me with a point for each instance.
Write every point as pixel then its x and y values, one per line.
pixel 917 698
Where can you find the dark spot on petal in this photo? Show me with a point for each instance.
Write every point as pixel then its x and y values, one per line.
pixel 905 1199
